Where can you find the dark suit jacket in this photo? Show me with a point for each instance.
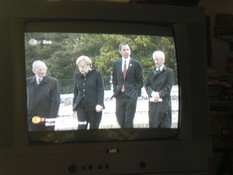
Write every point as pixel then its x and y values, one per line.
pixel 43 99
pixel 91 88
pixel 133 81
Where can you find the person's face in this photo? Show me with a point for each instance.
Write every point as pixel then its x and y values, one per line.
pixel 40 70
pixel 83 67
pixel 158 61
pixel 125 51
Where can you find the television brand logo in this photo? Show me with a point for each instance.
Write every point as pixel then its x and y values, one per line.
pixel 112 150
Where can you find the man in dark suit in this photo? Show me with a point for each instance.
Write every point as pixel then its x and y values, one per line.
pixel 127 83
pixel 158 87
pixel 43 98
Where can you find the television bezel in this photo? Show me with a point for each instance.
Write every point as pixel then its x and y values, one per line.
pixel 184 26
pixel 150 156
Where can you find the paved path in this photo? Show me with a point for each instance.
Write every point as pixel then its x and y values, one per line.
pixel 67 120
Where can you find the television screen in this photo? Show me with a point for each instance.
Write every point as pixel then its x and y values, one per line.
pixel 59 49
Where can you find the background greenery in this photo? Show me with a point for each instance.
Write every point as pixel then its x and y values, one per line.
pixel 60 50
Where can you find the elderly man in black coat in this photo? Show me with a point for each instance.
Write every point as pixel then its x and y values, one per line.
pixel 43 98
pixel 158 87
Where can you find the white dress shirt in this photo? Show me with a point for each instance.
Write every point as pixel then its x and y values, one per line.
pixel 123 63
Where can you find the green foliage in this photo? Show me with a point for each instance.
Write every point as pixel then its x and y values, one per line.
pixel 60 50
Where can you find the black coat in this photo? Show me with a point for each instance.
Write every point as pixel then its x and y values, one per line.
pixel 90 87
pixel 133 81
pixel 44 99
pixel 161 82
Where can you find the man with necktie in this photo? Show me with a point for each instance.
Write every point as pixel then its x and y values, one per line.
pixel 127 83
pixel 43 97
pixel 158 87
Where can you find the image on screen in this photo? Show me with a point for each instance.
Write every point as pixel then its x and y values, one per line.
pixel 59 51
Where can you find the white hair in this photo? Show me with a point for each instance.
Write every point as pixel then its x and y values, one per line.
pixel 38 63
pixel 158 54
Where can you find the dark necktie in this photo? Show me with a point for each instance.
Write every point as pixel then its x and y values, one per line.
pixel 158 70
pixel 40 80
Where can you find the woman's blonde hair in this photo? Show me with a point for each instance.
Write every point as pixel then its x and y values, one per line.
pixel 84 58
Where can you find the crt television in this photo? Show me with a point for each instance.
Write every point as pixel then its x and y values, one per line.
pixel 31 31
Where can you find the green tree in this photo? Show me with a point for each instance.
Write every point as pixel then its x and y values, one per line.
pixel 60 50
